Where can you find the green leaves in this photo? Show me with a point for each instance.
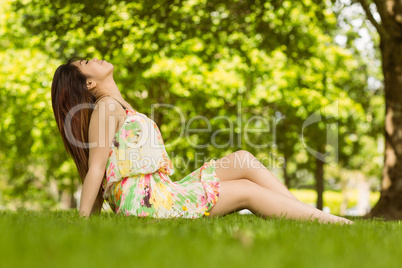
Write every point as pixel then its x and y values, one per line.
pixel 274 59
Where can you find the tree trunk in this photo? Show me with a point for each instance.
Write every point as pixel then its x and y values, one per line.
pixel 319 180
pixel 389 205
pixel 285 173
pixel 67 200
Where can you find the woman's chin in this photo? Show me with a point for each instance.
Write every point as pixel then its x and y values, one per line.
pixel 111 68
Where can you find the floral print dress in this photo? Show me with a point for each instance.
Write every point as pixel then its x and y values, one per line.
pixel 137 176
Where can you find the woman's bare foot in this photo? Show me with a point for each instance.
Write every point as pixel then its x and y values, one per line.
pixel 345 221
pixel 330 218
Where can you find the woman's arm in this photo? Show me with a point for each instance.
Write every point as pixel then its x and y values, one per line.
pixel 96 209
pixel 90 190
pixel 102 128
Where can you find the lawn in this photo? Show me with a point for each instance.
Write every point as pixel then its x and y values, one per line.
pixel 62 239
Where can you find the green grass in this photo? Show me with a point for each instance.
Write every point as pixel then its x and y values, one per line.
pixel 62 239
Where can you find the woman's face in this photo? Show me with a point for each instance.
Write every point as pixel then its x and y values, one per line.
pixel 95 69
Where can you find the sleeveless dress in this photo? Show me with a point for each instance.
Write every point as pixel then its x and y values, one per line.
pixel 137 176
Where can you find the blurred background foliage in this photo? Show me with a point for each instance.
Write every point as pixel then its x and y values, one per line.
pixel 278 60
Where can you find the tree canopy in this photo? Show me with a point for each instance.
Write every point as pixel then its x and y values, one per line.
pixel 254 71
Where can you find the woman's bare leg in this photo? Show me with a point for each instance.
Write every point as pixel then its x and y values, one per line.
pixel 240 194
pixel 243 165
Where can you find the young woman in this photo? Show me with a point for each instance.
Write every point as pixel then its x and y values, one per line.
pixel 120 156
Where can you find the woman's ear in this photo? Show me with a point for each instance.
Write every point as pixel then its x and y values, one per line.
pixel 91 84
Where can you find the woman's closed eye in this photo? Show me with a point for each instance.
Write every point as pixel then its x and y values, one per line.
pixel 86 62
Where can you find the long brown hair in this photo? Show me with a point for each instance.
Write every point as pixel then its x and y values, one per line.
pixel 69 90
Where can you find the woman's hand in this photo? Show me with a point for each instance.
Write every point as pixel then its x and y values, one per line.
pixel 83 215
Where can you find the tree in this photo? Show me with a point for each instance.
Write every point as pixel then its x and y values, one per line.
pixel 389 28
pixel 205 57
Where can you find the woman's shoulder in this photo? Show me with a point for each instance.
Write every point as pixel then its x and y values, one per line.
pixel 104 110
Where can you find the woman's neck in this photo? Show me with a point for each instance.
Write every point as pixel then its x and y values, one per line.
pixel 109 88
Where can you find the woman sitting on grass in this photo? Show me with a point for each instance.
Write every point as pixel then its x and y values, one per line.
pixel 121 158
